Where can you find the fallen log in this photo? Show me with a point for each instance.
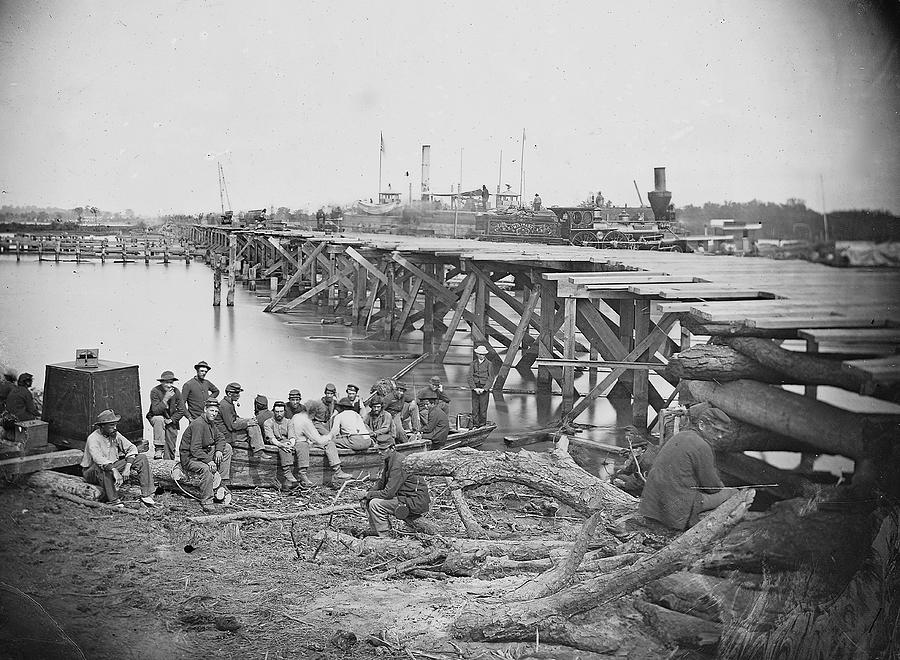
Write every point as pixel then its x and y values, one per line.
pixel 474 530
pixel 595 566
pixel 829 429
pixel 682 629
pixel 64 483
pixel 553 473
pixel 828 537
pixel 272 515
pixel 97 505
pixel 737 598
pixel 860 623
pixel 549 615
pixel 719 363
pixel 741 436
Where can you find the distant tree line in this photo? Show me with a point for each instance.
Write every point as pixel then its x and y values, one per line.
pixel 794 220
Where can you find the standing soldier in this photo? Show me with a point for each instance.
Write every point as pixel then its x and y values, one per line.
pixel 481 381
pixel 197 390
pixel 166 411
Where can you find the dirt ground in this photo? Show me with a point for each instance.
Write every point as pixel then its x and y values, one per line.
pixel 122 586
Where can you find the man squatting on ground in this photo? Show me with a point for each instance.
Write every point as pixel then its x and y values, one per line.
pixel 397 494
pixel 204 451
pixel 109 457
pixel 684 482
pixel 238 428
pixel 166 411
pixel 293 438
pixel 481 380
pixel 197 390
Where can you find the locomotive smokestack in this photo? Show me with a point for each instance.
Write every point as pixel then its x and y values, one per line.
pixel 660 197
pixel 426 172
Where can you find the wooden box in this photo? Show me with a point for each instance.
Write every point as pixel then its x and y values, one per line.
pixel 74 396
pixel 32 434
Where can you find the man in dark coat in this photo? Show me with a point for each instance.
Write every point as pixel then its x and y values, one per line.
pixel 204 451
pixel 197 390
pixel 481 380
pixel 20 402
pixel 166 411
pixel 683 481
pixel 437 426
pixel 397 494
pixel 7 385
pixel 294 403
pixel 238 428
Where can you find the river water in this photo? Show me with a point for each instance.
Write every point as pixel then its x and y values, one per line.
pixel 161 317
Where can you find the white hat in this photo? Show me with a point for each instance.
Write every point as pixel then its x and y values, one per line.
pixel 481 350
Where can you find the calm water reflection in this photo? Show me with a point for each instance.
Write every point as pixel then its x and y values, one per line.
pixel 161 317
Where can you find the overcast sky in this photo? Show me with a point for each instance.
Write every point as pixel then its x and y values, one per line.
pixel 130 104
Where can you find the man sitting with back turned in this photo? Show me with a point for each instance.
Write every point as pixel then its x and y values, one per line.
pixel 437 426
pixel 305 434
pixel 261 410
pixel 109 457
pixel 683 481
pixel 348 430
pixel 166 411
pixel 238 428
pixel 197 390
pixel 204 451
pixel 397 494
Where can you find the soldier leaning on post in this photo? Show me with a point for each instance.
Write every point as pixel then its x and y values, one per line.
pixel 204 451
pixel 109 457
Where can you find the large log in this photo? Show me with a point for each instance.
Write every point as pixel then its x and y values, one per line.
pixel 719 363
pixel 548 616
pixel 553 473
pixel 741 436
pixel 830 429
pixel 827 537
pixel 682 629
pixel 860 623
pixel 741 470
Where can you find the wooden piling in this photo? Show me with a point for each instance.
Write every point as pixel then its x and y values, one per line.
pixel 640 387
pixel 232 257
pixel 217 282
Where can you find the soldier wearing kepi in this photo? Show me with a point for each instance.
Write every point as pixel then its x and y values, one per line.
pixel 109 457
pixel 204 451
pixel 397 494
pixel 294 403
pixel 166 411
pixel 353 395
pixel 481 380
pixel 197 390
pixel 235 427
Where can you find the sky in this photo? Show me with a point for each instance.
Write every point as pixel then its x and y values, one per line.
pixel 130 105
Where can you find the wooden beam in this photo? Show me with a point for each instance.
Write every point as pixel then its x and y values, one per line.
pixel 469 287
pixel 35 462
pixel 282 292
pixel 284 254
pixel 407 308
pixel 319 288
pixel 545 338
pixel 568 387
pixel 641 382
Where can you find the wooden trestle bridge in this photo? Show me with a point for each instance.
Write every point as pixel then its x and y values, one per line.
pixel 561 308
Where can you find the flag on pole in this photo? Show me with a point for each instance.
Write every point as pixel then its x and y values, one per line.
pixel 382 142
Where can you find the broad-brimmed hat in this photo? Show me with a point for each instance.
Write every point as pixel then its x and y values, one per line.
pixel 211 403
pixel 261 399
pixel 294 392
pixel 202 363
pixel 106 417
pixel 481 350
pixel 166 377
pixel 345 403
pixel 234 387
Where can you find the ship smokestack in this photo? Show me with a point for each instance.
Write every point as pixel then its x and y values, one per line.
pixel 660 197
pixel 426 172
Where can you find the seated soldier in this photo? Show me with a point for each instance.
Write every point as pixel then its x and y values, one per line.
pixel 404 411
pixel 435 388
pixel 683 481
pixel 437 426
pixel 235 427
pixel 204 451
pixel 305 434
pixel 353 396
pixel 397 494
pixel 378 421
pixel 276 431
pixel 109 458
pixel 348 430
pixel 294 403
pixel 261 410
